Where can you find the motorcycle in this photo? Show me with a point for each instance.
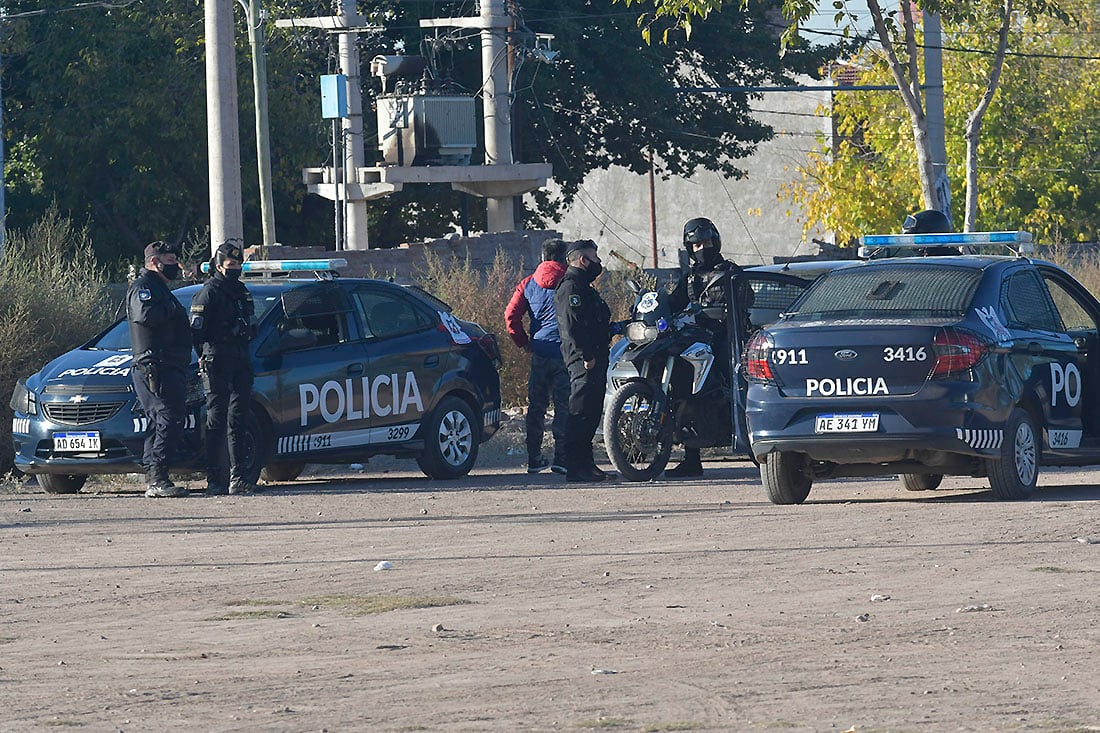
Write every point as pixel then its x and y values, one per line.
pixel 680 389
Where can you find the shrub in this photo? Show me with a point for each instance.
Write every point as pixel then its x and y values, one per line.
pixel 51 300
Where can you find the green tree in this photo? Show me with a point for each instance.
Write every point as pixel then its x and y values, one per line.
pixel 1040 150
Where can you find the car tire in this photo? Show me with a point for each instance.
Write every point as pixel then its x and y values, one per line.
pixel 278 472
pixel 1015 473
pixel 786 477
pixel 920 481
pixel 623 437
pixel 451 436
pixel 61 483
pixel 258 445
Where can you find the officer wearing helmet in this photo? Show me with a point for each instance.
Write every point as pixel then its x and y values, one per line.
pixel 703 245
pixel 930 221
pixel 221 330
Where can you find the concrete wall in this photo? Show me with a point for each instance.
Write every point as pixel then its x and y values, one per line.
pixel 613 205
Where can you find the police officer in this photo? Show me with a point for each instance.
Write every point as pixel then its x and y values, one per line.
pixel 930 221
pixel 161 342
pixel 221 329
pixel 703 245
pixel 584 322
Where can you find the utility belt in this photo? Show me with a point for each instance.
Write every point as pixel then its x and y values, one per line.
pixel 153 372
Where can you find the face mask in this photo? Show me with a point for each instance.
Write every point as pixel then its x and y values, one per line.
pixel 232 273
pixel 594 269
pixel 170 271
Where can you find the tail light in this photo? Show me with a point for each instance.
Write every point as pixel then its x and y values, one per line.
pixel 956 351
pixel 488 344
pixel 756 358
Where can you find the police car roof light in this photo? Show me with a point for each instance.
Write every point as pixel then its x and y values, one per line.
pixel 1018 241
pixel 277 266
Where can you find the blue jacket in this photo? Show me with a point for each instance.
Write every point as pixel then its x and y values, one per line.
pixel 534 296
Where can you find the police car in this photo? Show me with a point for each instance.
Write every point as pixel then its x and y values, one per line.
pixel 344 369
pixel 970 364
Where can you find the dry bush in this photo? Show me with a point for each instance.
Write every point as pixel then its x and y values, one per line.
pixel 51 300
pixel 1083 264
pixel 482 295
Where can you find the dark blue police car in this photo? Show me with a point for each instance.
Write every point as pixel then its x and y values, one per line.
pixel 967 365
pixel 345 369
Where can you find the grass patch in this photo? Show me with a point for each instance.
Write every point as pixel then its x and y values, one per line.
pixel 681 725
pixel 264 613
pixel 259 602
pixel 603 723
pixel 59 723
pixel 366 605
pixel 1052 569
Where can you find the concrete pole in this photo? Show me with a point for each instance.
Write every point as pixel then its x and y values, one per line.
pixel 223 138
pixel 496 108
pixel 354 156
pixel 3 178
pixel 933 109
pixel 263 142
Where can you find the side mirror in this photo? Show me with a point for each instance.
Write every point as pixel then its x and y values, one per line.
pixel 297 338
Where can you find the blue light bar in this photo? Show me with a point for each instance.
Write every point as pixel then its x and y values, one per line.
pixel 270 266
pixel 947 240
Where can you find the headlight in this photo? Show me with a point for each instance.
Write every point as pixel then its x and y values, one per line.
pixel 640 333
pixel 23 400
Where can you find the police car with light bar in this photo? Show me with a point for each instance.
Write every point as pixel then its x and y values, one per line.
pixel 977 365
pixel 345 369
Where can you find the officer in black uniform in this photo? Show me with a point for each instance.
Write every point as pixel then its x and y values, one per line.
pixel 584 322
pixel 222 329
pixel 161 342
pixel 703 245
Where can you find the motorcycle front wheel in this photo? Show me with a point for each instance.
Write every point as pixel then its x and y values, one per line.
pixel 636 431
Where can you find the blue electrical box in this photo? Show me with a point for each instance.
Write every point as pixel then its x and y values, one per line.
pixel 334 96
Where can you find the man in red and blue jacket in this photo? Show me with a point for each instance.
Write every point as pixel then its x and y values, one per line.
pixel 534 296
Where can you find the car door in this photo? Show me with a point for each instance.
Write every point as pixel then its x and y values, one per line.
pixel 319 359
pixel 1080 314
pixel 758 298
pixel 1047 358
pixel 408 354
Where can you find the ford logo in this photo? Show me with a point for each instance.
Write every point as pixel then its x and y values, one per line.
pixel 846 354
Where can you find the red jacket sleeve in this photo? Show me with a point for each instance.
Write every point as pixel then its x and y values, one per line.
pixel 513 315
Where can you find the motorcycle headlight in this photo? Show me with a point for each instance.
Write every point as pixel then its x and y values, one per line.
pixel 640 333
pixel 23 400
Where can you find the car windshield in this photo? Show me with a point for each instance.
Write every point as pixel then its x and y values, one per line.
pixel 117 337
pixel 904 289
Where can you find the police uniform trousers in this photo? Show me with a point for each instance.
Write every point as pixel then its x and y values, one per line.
pixel 228 383
pixel 549 380
pixel 586 393
pixel 166 409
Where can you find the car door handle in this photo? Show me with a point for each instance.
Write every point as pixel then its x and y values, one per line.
pixel 431 361
pixel 354 370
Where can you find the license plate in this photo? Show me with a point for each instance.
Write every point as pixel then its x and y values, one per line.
pixel 863 422
pixel 76 442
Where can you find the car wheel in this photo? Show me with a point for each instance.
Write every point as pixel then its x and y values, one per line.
pixel 61 483
pixel 450 440
pixel 258 445
pixel 633 431
pixel 920 481
pixel 277 472
pixel 786 477
pixel 1014 474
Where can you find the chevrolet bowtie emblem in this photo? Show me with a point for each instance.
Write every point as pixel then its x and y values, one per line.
pixel 78 398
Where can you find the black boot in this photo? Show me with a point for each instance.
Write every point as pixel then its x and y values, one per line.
pixel 690 467
pixel 161 487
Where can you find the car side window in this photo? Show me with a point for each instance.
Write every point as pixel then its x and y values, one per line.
pixel 387 314
pixel 314 316
pixel 1073 314
pixel 1028 304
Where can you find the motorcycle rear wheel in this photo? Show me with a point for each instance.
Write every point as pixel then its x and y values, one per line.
pixel 637 432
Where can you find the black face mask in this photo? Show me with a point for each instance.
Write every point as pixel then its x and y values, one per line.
pixel 594 269
pixel 232 274
pixel 171 271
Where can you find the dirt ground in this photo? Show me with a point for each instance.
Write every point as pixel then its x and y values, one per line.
pixel 520 603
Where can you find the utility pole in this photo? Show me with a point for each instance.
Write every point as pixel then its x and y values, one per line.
pixel 933 109
pixel 256 17
pixel 223 138
pixel 497 108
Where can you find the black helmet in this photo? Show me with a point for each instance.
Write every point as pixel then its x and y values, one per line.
pixel 928 221
pixel 698 230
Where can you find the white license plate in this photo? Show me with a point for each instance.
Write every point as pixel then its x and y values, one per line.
pixel 863 422
pixel 76 442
